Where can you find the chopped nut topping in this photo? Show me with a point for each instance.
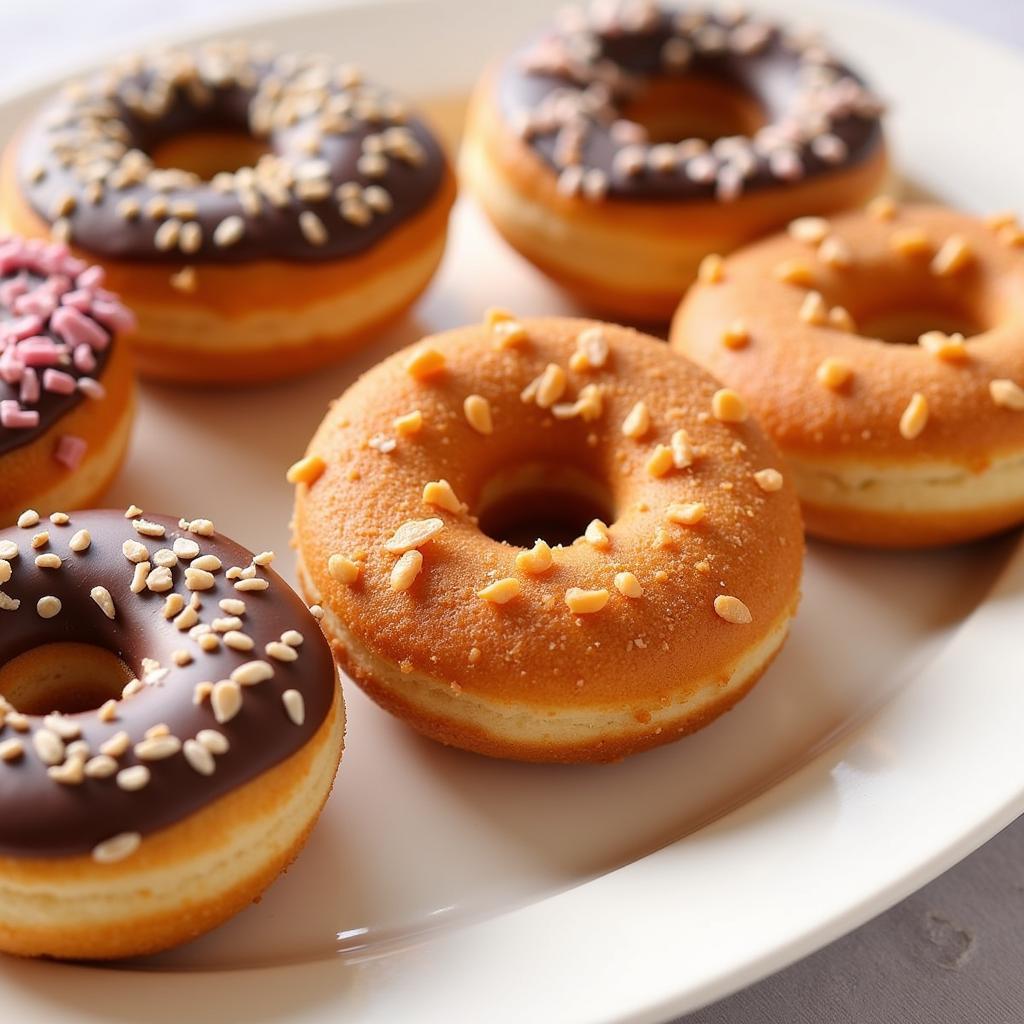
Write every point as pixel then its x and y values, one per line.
pixel 1007 394
pixel 508 333
pixel 732 609
pixel 118 847
pixel 683 452
pixel 811 230
pixel 728 407
pixel 835 253
pixel 306 471
pixel 134 551
pixel 686 513
pixel 954 254
pixel 597 535
pixel 280 651
pixel 252 673
pixel 424 362
pixel 500 591
pixel 834 373
pixel 478 414
pixel 80 541
pixel 839 318
pixel 48 561
pixel 413 534
pixel 409 424
pixel 910 242
pixel 294 706
pixel 405 571
pixel 661 461
pixel 736 335
pixel 628 585
pixel 585 602
pixel 814 310
pixel 549 386
pixel 768 480
pixel 185 547
pixel 914 417
pixel 134 778
pixel 47 607
pixel 225 700
pixel 591 349
pixel 536 560
pixel 711 269
pixel 148 529
pixel 882 208
pixel 199 579
pixel 950 348
pixel 28 519
pixel 637 422
pixel 343 569
pixel 795 271
pixel 440 493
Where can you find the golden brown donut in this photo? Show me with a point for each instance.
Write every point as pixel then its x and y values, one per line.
pixel 330 228
pixel 572 145
pixel 66 382
pixel 884 352
pixel 170 727
pixel 650 625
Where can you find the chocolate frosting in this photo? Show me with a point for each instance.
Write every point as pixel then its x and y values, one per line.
pixel 40 817
pixel 90 143
pixel 587 70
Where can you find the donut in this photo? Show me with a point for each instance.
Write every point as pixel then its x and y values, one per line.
pixel 66 381
pixel 170 727
pixel 547 540
pixel 263 213
pixel 630 140
pixel 883 350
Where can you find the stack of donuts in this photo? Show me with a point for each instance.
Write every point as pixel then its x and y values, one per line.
pixel 540 538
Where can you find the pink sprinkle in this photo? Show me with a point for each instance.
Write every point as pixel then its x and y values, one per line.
pixel 70 451
pixel 39 351
pixel 84 360
pixel 829 148
pixel 16 418
pixel 58 382
pixel 24 328
pixel 12 366
pixel 785 164
pixel 113 315
pixel 57 285
pixel 92 388
pixel 29 393
pixel 11 289
pixel 37 302
pixel 91 278
pixel 730 183
pixel 79 299
pixel 76 329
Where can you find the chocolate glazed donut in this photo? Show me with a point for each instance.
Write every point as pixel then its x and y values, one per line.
pixel 233 718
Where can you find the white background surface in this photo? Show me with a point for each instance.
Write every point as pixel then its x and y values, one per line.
pixel 951 952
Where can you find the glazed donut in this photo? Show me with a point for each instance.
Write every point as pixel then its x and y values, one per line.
pixel 248 274
pixel 66 385
pixel 170 726
pixel 890 444
pixel 571 145
pixel 659 618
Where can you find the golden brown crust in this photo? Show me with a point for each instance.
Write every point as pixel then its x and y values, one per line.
pixel 533 650
pixel 854 431
pixel 680 233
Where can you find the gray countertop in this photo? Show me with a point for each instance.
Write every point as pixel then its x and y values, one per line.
pixel 952 952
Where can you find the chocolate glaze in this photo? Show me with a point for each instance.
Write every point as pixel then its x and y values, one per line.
pixel 770 76
pixel 40 817
pixel 275 233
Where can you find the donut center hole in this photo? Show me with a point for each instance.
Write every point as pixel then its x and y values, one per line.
pixel 694 107
pixel 904 325
pixel 207 153
pixel 64 677
pixel 542 501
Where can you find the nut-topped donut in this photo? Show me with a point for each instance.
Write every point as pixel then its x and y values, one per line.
pixel 661 614
pixel 332 226
pixel 65 378
pixel 170 726
pixel 884 352
pixel 633 138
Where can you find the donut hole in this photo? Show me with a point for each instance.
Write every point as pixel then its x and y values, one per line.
pixel 898 326
pixel 551 502
pixel 207 153
pixel 694 107
pixel 64 677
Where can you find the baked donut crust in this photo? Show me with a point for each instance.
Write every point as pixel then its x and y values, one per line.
pixel 517 671
pixel 874 464
pixel 629 241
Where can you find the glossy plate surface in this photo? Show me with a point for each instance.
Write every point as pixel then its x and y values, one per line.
pixel 882 746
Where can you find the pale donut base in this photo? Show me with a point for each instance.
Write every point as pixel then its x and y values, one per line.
pixel 194 330
pixel 913 504
pixel 84 486
pixel 570 734
pixel 183 880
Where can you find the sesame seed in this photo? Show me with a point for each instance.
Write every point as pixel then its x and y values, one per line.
pixel 732 609
pixel 405 571
pixel 157 748
pixel 413 534
pixel 914 417
pixel 117 848
pixel 500 591
pixel 292 637
pixel 294 706
pixel 215 742
pixel 280 651
pixel 252 584
pixel 238 641
pixel 102 766
pixel 686 513
pixel 226 700
pixel 728 407
pixel 1007 394
pixel 232 606
pixel 47 607
pixel 834 373
pixel 229 231
pixel 199 758
pixel 585 602
pixel 252 672
pixel 116 745
pixel 536 560
pixel 478 414
pixel 312 228
pixel 954 254
pixel 628 585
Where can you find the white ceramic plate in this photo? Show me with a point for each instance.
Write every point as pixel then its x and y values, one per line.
pixel 883 745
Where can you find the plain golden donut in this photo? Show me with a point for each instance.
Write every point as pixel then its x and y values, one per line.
pixel 588 146
pixel 263 213
pixel 170 726
pixel 894 444
pixel 660 617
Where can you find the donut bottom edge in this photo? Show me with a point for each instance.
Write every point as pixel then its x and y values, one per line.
pixel 182 881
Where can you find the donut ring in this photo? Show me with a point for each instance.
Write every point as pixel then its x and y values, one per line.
pixel 898 445
pixel 556 154
pixel 66 384
pixel 268 270
pixel 658 621
pixel 145 822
